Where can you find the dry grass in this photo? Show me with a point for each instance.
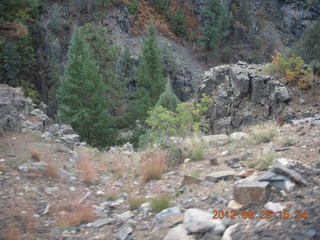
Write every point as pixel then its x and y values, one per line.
pixel 112 195
pixel 135 202
pixel 262 133
pixel 74 214
pixel 52 171
pixel 12 232
pixel 87 172
pixel 160 203
pixel 153 165
pixel 118 167
pixel 35 155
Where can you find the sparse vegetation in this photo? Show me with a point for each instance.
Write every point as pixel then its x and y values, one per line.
pixel 112 195
pixel 135 202
pixel 51 170
pixel 292 68
pixel 288 142
pixel 263 133
pixel 160 203
pixel 197 149
pixel 87 172
pixel 153 162
pixel 35 155
pixel 266 160
pixel 74 214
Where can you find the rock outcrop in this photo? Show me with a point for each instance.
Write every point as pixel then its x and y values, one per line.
pixel 14 108
pixel 242 94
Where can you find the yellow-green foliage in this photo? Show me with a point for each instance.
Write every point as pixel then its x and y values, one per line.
pixel 292 69
pixel 160 203
pixel 263 133
pixel 135 203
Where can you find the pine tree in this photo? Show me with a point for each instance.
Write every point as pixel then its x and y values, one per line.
pixel 216 24
pixel 168 99
pixel 150 79
pixel 81 96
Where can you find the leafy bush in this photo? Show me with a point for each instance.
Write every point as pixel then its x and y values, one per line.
pixel 292 68
pixel 22 10
pixel 178 24
pixel 160 203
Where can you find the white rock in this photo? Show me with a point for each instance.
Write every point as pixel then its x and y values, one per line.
pixel 229 231
pixel 178 233
pixel 199 221
pixel 239 136
pixel 274 207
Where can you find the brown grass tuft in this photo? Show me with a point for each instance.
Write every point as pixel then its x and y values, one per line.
pixel 12 232
pixel 52 171
pixel 118 167
pixel 153 165
pixel 35 156
pixel 75 214
pixel 87 172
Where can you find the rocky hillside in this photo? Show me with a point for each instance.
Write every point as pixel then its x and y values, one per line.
pixel 254 184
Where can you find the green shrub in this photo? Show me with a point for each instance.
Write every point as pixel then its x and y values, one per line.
pixel 56 20
pixel 133 7
pixel 168 99
pixel 197 149
pixel 178 24
pixel 162 6
pixel 266 160
pixel 29 91
pixel 22 10
pixel 160 203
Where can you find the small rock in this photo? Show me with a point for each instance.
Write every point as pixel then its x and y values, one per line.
pixel 274 207
pixel 199 221
pixel 125 216
pixel 234 205
pixel 214 162
pixel 100 193
pixel 101 222
pixel 225 153
pixel 296 177
pixel 221 175
pixel 239 136
pixel 251 192
pixel 161 216
pixel 227 234
pixel 215 138
pixel 187 180
pixel 246 173
pixel 124 232
pixel 177 233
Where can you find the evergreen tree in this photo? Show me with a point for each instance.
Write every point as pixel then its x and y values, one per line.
pixel 216 24
pixel 168 99
pixel 81 96
pixel 105 55
pixel 150 79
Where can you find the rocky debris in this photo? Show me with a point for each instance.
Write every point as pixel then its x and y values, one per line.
pixel 124 233
pixel 274 207
pixel 199 221
pixel 227 233
pixel 234 205
pixel 296 177
pixel 14 108
pixel 221 176
pixel 126 149
pixel 251 192
pixel 161 216
pixel 178 232
pixel 312 121
pixel 123 217
pixel 187 180
pixel 32 166
pixel 238 136
pixel 235 161
pixel 217 138
pixel 277 180
pixel 242 95
pixel 101 222
pixel 214 162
